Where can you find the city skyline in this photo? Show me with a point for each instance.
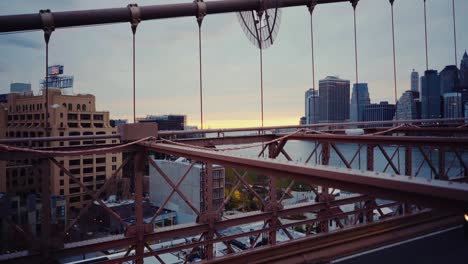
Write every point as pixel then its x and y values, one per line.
pixel 167 51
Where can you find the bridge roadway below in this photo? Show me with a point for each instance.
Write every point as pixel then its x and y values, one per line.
pixel 445 246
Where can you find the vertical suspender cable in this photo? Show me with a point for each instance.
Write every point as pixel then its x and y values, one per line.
pixel 200 73
pixel 48 26
pixel 46 126
pixel 427 114
pixel 135 14
pixel 454 31
pixel 134 93
pixel 394 74
pixel 394 56
pixel 312 5
pixel 354 4
pixel 201 6
pixel 425 34
pixel 261 77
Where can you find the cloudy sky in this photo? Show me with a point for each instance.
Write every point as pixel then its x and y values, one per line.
pixel 167 57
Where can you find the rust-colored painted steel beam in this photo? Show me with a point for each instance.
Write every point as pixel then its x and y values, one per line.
pixel 245 139
pixel 422 130
pixel 24 22
pixel 431 193
pixel 119 241
pixel 57 138
pixel 386 140
pixel 68 151
pixel 426 122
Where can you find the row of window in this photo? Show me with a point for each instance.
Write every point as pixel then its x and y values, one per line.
pixel 86 180
pixel 27 107
pixel 89 161
pixel 77 199
pixel 72 116
pixel 38 107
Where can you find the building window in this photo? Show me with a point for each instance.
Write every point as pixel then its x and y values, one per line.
pixel 100 177
pixel 83 107
pixel 100 160
pixel 69 107
pixel 88 179
pixel 75 171
pixel 114 159
pixel 78 107
pixel 75 200
pixel 74 162
pixel 74 190
pixel 61 192
pixel 114 167
pixel 61 182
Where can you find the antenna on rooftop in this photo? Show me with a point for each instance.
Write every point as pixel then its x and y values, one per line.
pixel 261 28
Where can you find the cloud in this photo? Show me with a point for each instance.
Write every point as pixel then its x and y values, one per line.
pixel 20 41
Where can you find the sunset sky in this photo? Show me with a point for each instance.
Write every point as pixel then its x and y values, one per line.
pixel 167 57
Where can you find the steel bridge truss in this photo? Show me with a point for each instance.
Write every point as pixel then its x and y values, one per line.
pixel 407 190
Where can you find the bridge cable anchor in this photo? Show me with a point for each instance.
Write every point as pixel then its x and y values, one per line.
pixel 135 12
pixel 48 23
pixel 312 5
pixel 201 11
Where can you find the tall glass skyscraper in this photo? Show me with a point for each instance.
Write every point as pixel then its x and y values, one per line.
pixel 359 100
pixel 414 81
pixel 464 70
pixel 334 99
pixel 449 79
pixel 430 95
pixel 311 106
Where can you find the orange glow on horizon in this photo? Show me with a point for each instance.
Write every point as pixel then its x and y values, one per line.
pixel 244 123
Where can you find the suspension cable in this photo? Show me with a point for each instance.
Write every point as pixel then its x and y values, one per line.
pixel 200 15
pixel 259 35
pixel 135 12
pixel 454 32
pixel 312 5
pixel 48 27
pixel 394 58
pixel 354 4
pixel 425 34
pixel 394 73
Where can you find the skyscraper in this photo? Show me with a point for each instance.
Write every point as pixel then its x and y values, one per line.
pixel 379 112
pixel 359 99
pixel 464 70
pixel 414 81
pixel 333 99
pixel 430 95
pixel 453 105
pixel 449 79
pixel 409 106
pixel 311 106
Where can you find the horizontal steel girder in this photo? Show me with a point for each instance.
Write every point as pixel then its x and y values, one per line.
pixel 120 241
pixel 383 140
pixel 430 193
